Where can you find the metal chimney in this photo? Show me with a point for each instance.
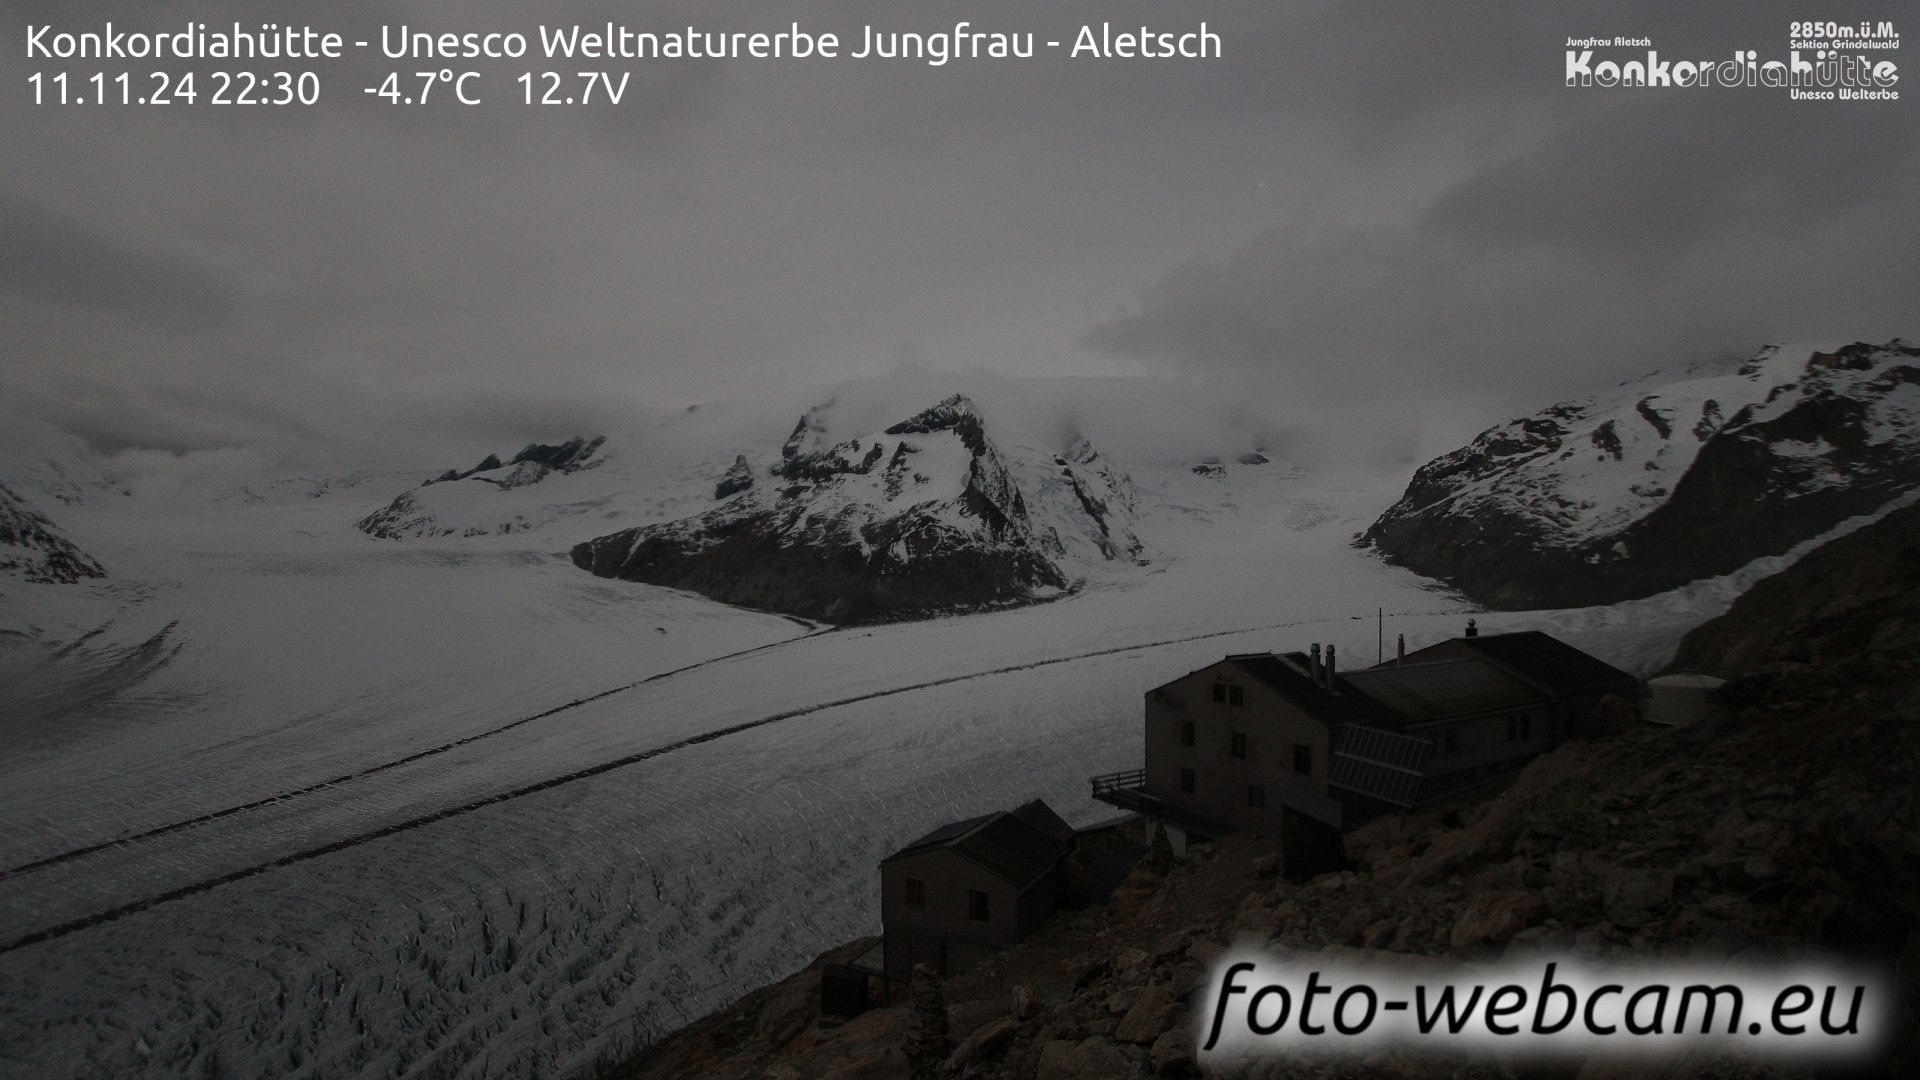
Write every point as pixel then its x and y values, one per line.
pixel 1313 663
pixel 1472 629
pixel 1329 667
pixel 1400 649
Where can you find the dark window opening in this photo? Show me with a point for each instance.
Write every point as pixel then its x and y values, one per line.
pixel 1219 691
pixel 976 905
pixel 1302 759
pixel 1257 797
pixel 1186 781
pixel 1186 733
pixel 1238 748
pixel 916 893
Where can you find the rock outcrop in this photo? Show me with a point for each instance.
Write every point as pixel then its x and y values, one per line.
pixel 738 478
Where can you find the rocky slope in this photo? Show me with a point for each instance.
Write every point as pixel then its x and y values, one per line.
pixel 930 514
pixel 1864 598
pixel 1681 475
pixel 1789 826
pixel 32 548
pixel 464 502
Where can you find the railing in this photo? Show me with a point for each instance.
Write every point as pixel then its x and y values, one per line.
pixel 1113 783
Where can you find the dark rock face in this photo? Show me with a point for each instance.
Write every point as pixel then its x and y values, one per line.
pixel 570 456
pixel 739 477
pixel 32 548
pixel 1094 472
pixel 926 518
pixel 904 567
pixel 1598 502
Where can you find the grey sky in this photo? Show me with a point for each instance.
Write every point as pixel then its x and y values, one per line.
pixel 1361 209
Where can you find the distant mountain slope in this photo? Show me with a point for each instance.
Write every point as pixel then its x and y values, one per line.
pixel 466 502
pixel 930 514
pixel 1681 475
pixel 33 549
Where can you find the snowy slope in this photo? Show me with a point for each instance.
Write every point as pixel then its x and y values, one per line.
pixel 33 548
pixel 1682 474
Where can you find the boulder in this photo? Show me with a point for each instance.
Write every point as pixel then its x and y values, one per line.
pixel 1152 1013
pixel 1089 1059
pixel 1172 1052
pixel 986 1042
pixel 1632 896
pixel 1494 919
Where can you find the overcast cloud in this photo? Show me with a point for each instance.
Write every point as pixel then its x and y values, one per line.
pixel 1363 211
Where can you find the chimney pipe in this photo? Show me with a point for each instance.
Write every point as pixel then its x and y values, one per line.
pixel 1400 649
pixel 1472 629
pixel 1330 668
pixel 1313 663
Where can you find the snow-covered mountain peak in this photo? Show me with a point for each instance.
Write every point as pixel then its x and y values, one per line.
pixel 1593 481
pixel 935 511
pixel 956 413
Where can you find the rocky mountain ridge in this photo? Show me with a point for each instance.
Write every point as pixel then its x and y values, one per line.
pixel 1684 474
pixel 929 514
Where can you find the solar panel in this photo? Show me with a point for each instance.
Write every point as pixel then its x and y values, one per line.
pixel 1381 764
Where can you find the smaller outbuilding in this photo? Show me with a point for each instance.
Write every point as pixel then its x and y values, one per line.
pixel 967 889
